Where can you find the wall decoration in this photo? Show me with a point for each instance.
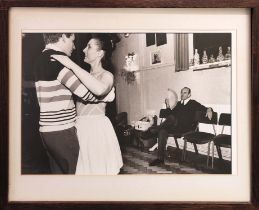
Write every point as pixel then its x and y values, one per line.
pixel 130 67
pixel 156 57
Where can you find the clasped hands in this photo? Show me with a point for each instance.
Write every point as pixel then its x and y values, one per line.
pixel 65 60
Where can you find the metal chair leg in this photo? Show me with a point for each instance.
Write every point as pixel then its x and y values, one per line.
pixel 176 142
pixel 212 161
pixel 208 155
pixel 184 150
pixel 195 148
pixel 219 152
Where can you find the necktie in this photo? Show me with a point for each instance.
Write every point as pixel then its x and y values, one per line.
pixel 182 102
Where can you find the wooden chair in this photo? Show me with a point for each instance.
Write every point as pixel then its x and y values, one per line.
pixel 222 140
pixel 198 137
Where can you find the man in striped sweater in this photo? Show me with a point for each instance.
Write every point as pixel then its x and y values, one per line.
pixel 55 86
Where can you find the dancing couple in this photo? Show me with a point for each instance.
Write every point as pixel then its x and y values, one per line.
pixel 79 139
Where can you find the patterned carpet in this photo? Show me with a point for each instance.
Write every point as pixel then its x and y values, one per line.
pixel 137 162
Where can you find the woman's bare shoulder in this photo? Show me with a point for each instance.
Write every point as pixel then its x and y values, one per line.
pixel 107 74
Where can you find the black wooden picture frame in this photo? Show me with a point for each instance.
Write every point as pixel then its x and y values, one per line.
pixel 6 5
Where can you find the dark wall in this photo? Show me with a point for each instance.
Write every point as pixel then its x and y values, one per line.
pixel 34 158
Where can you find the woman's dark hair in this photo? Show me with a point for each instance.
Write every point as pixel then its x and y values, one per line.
pixel 105 43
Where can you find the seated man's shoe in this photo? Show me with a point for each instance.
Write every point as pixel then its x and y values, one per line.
pixel 156 162
pixel 153 148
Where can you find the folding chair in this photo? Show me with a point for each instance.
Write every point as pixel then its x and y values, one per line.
pixel 222 140
pixel 198 137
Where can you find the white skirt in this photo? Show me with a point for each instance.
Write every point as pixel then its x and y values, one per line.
pixel 99 148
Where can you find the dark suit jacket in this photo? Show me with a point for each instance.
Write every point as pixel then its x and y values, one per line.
pixel 184 114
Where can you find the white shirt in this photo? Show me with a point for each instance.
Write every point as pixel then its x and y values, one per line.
pixel 52 47
pixel 184 102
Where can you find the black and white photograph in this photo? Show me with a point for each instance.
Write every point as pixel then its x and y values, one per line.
pixel 156 57
pixel 96 103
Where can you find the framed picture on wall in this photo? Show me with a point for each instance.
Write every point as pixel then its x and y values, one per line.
pixel 37 191
pixel 156 57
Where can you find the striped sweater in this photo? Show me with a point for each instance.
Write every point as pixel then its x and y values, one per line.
pixel 55 86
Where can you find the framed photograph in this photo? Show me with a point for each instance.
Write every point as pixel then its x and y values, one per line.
pixel 51 71
pixel 156 57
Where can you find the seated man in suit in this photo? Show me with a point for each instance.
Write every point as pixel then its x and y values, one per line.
pixel 180 119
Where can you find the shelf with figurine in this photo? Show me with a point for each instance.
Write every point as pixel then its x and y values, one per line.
pixel 211 62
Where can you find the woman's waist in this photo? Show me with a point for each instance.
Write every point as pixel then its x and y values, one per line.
pixel 82 116
pixel 90 109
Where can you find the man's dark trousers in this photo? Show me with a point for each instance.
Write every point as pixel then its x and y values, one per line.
pixel 62 149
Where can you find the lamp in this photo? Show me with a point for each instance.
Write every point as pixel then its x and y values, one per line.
pixel 126 35
pixel 130 67
pixel 131 63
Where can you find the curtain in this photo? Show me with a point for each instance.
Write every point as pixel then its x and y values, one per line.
pixel 181 52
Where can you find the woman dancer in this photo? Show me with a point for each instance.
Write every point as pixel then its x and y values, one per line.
pixel 99 148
